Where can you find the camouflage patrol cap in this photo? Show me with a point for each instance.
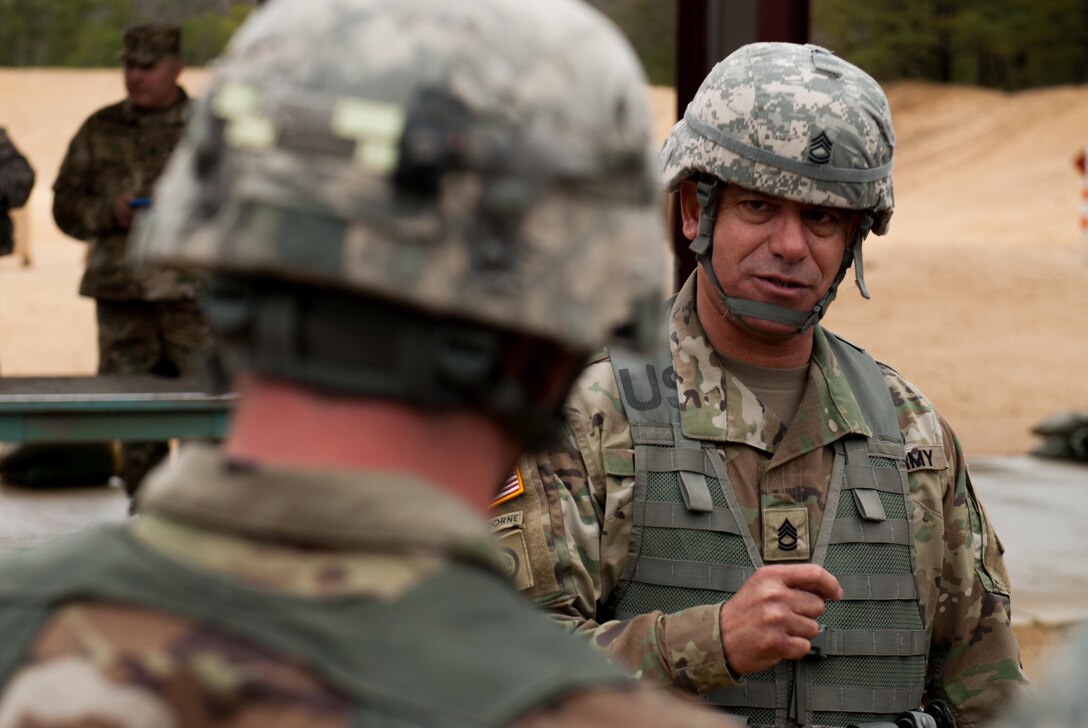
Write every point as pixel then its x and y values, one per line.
pixel 492 164
pixel 146 43
pixel 793 121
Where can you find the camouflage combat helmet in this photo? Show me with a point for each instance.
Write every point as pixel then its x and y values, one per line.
pixel 792 121
pixel 492 164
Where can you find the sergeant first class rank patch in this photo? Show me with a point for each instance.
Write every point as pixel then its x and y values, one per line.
pixel 785 534
pixel 511 489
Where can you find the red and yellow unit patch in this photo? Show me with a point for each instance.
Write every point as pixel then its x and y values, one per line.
pixel 512 488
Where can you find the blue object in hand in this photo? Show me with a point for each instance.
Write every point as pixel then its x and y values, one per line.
pixel 138 202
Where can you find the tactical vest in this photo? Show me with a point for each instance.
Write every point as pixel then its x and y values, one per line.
pixel 690 545
pixel 461 649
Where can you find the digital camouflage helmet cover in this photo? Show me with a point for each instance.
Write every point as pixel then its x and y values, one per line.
pixel 792 121
pixel 486 162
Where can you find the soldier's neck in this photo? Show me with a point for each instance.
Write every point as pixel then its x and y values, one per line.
pixel 277 423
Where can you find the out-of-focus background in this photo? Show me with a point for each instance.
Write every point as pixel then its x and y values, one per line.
pixel 980 291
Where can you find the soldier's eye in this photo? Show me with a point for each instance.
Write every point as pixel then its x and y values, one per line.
pixel 823 221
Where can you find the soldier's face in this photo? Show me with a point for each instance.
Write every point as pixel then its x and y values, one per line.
pixel 153 86
pixel 772 249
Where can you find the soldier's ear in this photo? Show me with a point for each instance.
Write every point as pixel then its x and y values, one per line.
pixel 689 209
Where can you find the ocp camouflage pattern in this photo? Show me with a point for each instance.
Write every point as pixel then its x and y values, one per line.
pixel 804 106
pixel 577 516
pixel 16 175
pixel 1063 701
pixel 500 198
pixel 118 150
pixel 369 535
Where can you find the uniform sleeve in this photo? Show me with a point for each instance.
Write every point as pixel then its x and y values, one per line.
pixel 975 659
pixel 1063 702
pixel 575 520
pixel 16 175
pixel 79 208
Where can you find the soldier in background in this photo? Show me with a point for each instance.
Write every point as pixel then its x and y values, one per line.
pixel 148 320
pixel 416 245
pixel 760 513
pixel 16 181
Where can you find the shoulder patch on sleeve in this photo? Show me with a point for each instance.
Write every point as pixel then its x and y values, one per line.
pixel 510 489
pixel 515 557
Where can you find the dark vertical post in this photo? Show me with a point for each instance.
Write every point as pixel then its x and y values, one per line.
pixel 706 32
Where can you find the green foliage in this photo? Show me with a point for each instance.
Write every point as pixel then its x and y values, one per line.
pixel 650 26
pixel 1009 44
pixel 88 32
pixel 207 34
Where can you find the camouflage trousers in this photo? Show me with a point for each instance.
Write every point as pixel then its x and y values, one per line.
pixel 170 338
pixel 167 338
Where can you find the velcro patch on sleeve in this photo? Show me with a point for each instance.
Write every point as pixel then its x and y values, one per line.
pixel 516 559
pixel 619 462
pixel 511 489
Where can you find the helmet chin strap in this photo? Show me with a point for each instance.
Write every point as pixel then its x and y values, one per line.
pixel 706 192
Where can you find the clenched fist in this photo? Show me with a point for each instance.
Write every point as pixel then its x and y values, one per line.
pixel 773 616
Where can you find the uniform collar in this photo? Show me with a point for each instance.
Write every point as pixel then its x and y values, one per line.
pixel 335 511
pixel 716 406
pixel 175 114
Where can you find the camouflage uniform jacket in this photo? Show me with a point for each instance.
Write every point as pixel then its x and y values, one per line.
pixel 16 175
pixel 573 522
pixel 16 179
pixel 118 150
pixel 1063 701
pixel 375 536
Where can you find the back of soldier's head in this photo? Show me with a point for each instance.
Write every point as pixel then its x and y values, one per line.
pixel 425 201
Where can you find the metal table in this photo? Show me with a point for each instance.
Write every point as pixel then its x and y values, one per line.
pixel 111 407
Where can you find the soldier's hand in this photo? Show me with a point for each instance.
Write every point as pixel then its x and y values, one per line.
pixel 122 211
pixel 773 616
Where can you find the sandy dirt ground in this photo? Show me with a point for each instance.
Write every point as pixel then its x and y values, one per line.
pixel 979 291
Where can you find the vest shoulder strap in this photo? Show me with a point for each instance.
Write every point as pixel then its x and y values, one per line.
pixel 490 658
pixel 867 381
pixel 647 386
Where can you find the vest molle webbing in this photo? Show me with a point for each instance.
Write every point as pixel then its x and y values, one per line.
pixel 691 546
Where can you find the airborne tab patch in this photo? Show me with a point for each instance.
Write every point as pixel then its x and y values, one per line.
pixel 512 488
pixel 507 520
